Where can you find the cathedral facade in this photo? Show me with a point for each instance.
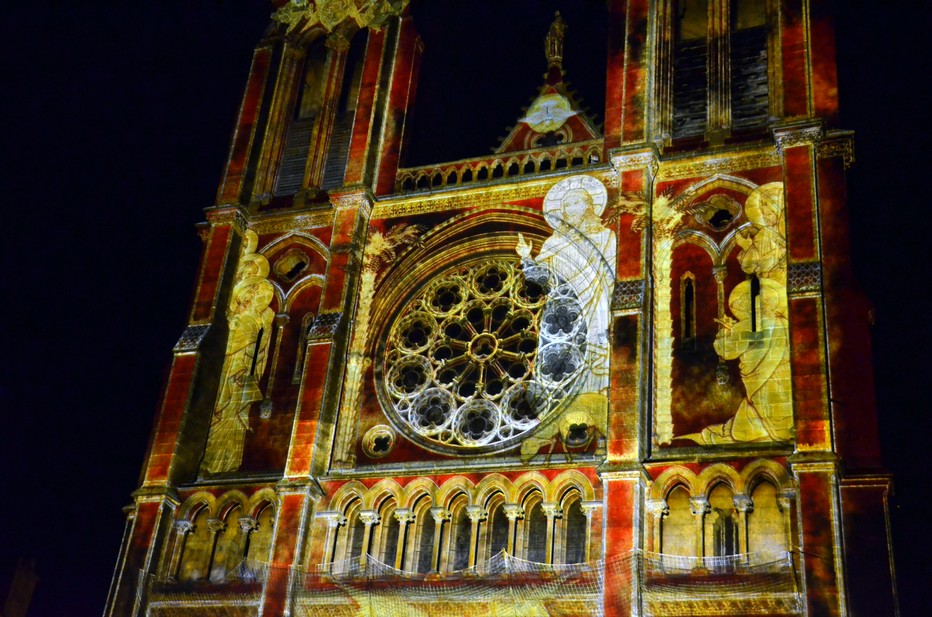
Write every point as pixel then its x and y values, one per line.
pixel 610 368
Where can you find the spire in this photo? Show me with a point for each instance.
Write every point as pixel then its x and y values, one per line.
pixel 554 42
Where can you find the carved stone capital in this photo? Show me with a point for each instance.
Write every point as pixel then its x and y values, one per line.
pixel 369 517
pixel 477 514
pixel 184 527
pixel 247 524
pixel 634 161
pixel 837 147
pixel 699 506
pixel 743 503
pixel 404 516
pixel 551 509
pixel 333 518
pixel 719 272
pixel 513 511
pixel 282 319
pixel 440 514
pixel 215 525
pixel 657 507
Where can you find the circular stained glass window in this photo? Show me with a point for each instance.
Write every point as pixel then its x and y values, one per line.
pixel 482 355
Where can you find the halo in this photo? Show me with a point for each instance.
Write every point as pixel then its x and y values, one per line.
pixel 553 202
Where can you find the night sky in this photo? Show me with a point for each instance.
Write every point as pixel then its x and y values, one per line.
pixel 117 118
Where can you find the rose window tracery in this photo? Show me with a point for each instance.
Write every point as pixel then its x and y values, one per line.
pixel 482 355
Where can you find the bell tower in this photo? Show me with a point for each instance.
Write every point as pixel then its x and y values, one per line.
pixel 611 369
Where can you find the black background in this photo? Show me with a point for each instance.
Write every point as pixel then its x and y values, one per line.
pixel 115 126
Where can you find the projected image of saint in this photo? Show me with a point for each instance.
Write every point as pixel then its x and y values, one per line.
pixel 576 264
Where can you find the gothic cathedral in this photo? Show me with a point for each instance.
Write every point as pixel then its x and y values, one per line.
pixel 612 368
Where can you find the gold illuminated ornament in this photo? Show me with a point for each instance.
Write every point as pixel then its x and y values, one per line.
pixel 250 326
pixel 548 112
pixel 302 15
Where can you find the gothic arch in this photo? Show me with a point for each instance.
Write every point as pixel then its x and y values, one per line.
pixel 382 490
pixel 718 181
pixel 568 480
pixel 490 485
pixel 669 479
pixel 528 483
pixel 763 470
pixel 228 501
pixel 719 473
pixel 260 500
pixel 414 490
pixel 353 489
pixel 451 488
pixel 195 503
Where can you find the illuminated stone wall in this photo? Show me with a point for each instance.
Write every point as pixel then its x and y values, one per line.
pixel 600 371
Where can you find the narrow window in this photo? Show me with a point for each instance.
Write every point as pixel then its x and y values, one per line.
pixel 749 62
pixel 307 109
pixel 575 526
pixel 690 71
pixel 721 523
pixel 335 164
pixel 197 549
pixel 688 311
pixel 260 541
pixel 461 531
pixel 678 536
pixel 498 530
pixel 535 529
pixel 424 553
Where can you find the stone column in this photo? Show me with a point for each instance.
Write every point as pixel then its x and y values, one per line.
pixel 588 508
pixel 247 525
pixel 657 508
pixel 513 512
pixel 182 529
pixel 334 520
pixel 405 517
pixel 552 511
pixel 785 504
pixel 744 506
pixel 440 515
pixel 265 407
pixel 368 518
pixel 476 515
pixel 216 527
pixel 699 506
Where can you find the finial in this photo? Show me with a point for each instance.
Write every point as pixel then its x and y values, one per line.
pixel 554 42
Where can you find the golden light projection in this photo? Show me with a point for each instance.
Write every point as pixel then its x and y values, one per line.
pixel 250 322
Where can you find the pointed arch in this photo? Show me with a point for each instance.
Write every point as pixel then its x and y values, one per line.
pixel 567 480
pixel 719 473
pixel 418 488
pixel 449 489
pixel 670 478
pixel 387 488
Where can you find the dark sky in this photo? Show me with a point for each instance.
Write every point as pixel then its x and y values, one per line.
pixel 117 117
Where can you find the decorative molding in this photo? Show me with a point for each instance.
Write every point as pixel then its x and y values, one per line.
pixel 636 160
pixel 838 147
pixel 720 164
pixel 552 510
pixel 184 527
pixel 804 277
pixel 232 216
pixel 191 339
pixel 628 294
pixel 790 137
pixel 294 222
pixel 325 326
pixel 369 517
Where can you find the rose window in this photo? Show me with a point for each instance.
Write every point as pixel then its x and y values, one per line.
pixel 482 355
